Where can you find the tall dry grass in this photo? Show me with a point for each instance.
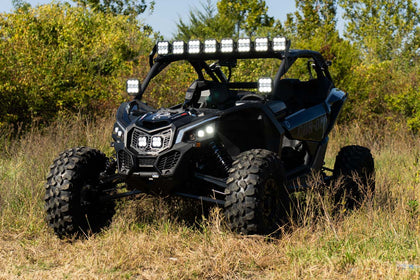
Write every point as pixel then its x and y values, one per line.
pixel 150 239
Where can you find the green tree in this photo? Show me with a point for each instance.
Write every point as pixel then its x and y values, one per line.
pixel 313 26
pixel 205 24
pixel 312 19
pixel 21 4
pixel 247 15
pixel 57 58
pixel 117 7
pixel 383 29
pixel 231 19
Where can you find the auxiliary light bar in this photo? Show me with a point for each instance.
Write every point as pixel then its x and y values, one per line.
pixel 243 45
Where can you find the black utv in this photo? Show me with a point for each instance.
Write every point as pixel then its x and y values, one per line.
pixel 242 144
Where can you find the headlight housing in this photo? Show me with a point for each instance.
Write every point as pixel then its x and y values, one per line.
pixel 201 133
pixel 118 133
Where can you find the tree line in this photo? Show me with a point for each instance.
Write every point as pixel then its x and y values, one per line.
pixel 62 58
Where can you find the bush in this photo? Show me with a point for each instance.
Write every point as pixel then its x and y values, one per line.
pixel 384 91
pixel 56 58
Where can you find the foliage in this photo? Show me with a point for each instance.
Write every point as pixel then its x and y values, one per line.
pixel 21 4
pixel 384 92
pixel 205 24
pixel 117 7
pixel 313 26
pixel 247 15
pixel 57 58
pixel 233 18
pixel 383 29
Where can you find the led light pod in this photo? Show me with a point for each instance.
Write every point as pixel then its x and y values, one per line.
pixel 178 47
pixel 210 46
pixel 265 85
pixel 279 44
pixel 133 86
pixel 226 45
pixel 261 44
pixel 157 142
pixel 194 46
pixel 163 47
pixel 244 45
pixel 142 142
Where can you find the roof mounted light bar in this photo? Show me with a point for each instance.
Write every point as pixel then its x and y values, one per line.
pixel 227 45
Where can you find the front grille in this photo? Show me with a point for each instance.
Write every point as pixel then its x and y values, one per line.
pixel 125 161
pixel 168 161
pixel 146 161
pixel 148 149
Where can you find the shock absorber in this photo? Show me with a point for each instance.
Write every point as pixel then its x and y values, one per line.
pixel 221 156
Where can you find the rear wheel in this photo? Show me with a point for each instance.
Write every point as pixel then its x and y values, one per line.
pixel 72 197
pixel 354 167
pixel 255 193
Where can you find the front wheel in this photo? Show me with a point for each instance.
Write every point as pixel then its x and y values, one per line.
pixel 255 193
pixel 354 168
pixel 72 196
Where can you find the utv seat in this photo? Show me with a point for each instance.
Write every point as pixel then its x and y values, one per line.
pixel 298 95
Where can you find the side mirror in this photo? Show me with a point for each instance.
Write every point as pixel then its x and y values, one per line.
pixel 133 87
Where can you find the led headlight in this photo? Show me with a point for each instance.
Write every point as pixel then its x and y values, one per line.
pixel 279 44
pixel 261 44
pixel 244 45
pixel 178 47
pixel 226 45
pixel 142 142
pixel 205 132
pixel 118 132
pixel 210 129
pixel 201 133
pixel 210 46
pixel 157 142
pixel 163 47
pixel 265 85
pixel 194 46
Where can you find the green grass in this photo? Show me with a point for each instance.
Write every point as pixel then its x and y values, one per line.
pixel 149 239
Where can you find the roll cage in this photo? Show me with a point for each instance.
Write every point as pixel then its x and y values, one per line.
pixel 158 62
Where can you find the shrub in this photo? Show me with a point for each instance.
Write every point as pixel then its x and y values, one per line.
pixel 56 58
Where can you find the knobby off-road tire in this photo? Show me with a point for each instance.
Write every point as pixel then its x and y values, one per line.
pixel 354 167
pixel 255 193
pixel 72 196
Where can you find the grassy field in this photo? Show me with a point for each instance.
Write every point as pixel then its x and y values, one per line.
pixel 149 239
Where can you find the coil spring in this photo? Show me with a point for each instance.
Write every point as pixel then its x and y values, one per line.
pixel 222 157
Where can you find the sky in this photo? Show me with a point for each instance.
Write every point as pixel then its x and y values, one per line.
pixel 167 12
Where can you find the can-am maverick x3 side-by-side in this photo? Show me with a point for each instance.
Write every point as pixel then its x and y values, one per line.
pixel 241 144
